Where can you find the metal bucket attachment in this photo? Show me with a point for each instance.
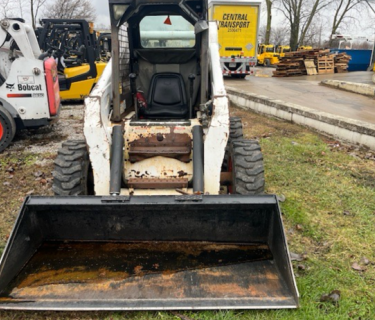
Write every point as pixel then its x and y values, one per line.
pixel 147 253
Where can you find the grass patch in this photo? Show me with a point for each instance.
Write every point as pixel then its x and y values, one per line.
pixel 20 174
pixel 329 217
pixel 18 159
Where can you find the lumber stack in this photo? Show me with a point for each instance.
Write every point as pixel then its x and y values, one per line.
pixel 311 62
pixel 341 62
pixel 288 67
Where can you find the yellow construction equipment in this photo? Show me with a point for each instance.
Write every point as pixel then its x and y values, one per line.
pixel 301 48
pixel 267 55
pixel 282 49
pixel 77 51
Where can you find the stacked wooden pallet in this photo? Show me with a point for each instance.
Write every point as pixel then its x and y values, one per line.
pixel 326 64
pixel 308 62
pixel 288 67
pixel 341 62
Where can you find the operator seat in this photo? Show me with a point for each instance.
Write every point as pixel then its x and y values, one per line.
pixel 166 98
pixel 79 59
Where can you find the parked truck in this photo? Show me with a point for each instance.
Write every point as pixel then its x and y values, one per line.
pixel 238 34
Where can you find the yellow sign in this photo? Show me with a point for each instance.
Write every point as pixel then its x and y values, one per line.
pixel 237 28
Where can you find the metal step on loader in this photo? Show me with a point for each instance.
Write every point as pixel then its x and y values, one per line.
pixel 161 207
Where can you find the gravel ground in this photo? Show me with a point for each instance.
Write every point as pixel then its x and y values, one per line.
pixel 26 165
pixel 47 140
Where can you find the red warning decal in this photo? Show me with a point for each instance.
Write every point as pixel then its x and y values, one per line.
pixel 168 21
pixel 19 95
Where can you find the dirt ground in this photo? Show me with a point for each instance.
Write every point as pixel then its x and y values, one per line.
pixel 26 165
pixel 26 168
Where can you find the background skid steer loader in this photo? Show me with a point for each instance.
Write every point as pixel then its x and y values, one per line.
pixel 160 232
pixel 29 88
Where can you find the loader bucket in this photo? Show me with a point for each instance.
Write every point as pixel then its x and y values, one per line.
pixel 147 253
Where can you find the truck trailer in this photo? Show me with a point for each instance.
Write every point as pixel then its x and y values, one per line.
pixel 238 24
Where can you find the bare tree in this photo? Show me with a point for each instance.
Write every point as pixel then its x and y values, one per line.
pixel 262 33
pixel 280 35
pixel 21 8
pixel 300 14
pixel 341 13
pixel 269 21
pixel 313 36
pixel 7 8
pixel 70 9
pixel 20 5
pixel 35 6
pixel 370 5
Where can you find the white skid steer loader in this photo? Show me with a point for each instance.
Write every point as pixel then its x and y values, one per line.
pixel 29 88
pixel 176 218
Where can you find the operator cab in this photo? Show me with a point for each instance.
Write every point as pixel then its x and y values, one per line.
pixel 165 55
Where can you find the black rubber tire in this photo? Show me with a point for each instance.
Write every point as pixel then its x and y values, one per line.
pixel 267 63
pixel 235 133
pixel 73 173
pixel 7 128
pixel 246 162
pixel 238 76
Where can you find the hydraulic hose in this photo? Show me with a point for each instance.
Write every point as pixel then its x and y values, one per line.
pixel 117 163
pixel 198 170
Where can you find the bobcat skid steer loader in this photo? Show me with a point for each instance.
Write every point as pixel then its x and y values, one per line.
pixel 29 88
pixel 178 219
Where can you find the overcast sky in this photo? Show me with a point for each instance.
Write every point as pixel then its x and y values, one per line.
pixel 364 26
pixel 361 29
pixel 102 12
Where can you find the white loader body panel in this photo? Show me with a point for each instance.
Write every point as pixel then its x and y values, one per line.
pixel 28 88
pixel 218 132
pixel 23 84
pixel 98 130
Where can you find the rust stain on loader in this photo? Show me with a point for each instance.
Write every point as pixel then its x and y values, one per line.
pixel 177 146
pixel 85 270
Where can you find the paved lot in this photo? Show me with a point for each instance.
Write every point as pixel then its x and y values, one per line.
pixel 307 91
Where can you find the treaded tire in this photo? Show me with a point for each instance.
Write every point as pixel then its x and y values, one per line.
pixel 267 63
pixel 235 133
pixel 72 174
pixel 246 164
pixel 7 128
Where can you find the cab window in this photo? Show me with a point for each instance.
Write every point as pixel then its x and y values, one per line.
pixel 166 32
